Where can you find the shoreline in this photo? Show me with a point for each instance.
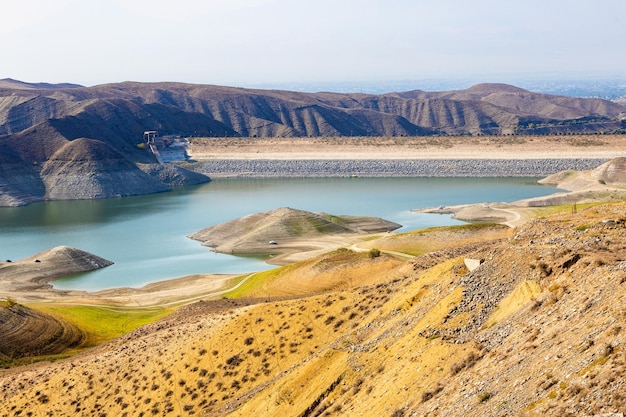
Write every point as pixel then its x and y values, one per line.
pixel 473 157
pixel 186 289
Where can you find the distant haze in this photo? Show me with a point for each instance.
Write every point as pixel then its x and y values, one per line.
pixel 608 87
pixel 282 43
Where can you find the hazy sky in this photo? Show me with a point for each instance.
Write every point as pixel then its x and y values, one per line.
pixel 244 42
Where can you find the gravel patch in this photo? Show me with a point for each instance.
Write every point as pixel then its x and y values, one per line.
pixel 258 168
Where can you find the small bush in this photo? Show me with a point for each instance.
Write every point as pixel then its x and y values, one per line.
pixel 545 268
pixel 427 395
pixel 374 253
pixel 399 412
pixel 484 396
pixel 8 302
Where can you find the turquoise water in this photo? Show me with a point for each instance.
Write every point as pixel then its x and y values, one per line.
pixel 146 235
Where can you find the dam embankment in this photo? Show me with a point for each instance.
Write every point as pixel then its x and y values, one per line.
pixel 259 168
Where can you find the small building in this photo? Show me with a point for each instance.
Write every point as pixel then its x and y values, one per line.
pixel 149 136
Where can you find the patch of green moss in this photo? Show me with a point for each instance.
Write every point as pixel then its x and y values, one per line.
pixel 102 324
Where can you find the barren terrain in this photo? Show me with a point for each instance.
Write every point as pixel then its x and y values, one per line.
pixel 523 318
pixel 70 142
pixel 535 329
pixel 416 147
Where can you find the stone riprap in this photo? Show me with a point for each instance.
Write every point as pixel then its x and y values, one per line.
pixel 258 168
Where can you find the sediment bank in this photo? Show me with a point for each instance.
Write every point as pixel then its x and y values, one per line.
pixel 470 168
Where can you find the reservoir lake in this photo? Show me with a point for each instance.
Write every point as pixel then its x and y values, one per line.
pixel 145 236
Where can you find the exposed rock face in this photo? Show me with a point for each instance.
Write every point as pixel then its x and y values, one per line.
pixel 173 175
pixel 87 168
pixel 19 185
pixel 81 169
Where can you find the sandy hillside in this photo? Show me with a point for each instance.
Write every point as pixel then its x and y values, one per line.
pixel 535 329
pixel 428 147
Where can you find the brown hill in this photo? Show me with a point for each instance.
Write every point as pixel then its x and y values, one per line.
pixel 611 174
pixel 87 168
pixel 16 84
pixel 120 112
pixel 287 230
pixel 56 168
pixel 38 119
pixel 536 329
pixel 61 261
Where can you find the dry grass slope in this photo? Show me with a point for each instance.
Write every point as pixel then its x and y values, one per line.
pixel 537 329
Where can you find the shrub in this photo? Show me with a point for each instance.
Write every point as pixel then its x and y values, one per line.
pixel 545 268
pixel 398 412
pixel 8 302
pixel 374 253
pixel 427 395
pixel 484 396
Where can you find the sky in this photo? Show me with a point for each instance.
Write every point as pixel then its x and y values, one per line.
pixel 277 42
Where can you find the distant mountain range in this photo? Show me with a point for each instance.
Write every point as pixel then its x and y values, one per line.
pixel 39 124
pixel 606 86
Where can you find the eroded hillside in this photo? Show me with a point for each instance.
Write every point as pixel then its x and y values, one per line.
pixel 535 329
pixel 40 122
pixel 27 332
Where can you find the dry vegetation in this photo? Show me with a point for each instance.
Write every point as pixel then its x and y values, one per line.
pixel 537 329
pixel 410 147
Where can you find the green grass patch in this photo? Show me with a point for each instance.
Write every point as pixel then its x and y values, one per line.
pixel 414 250
pixel 255 282
pixel 403 243
pixel 565 208
pixel 8 302
pixel 102 324
pixel 455 228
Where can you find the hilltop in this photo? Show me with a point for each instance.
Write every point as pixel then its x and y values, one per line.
pixel 534 327
pixel 39 121
pixel 288 231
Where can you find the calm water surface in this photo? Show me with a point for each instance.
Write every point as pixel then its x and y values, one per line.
pixel 146 235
